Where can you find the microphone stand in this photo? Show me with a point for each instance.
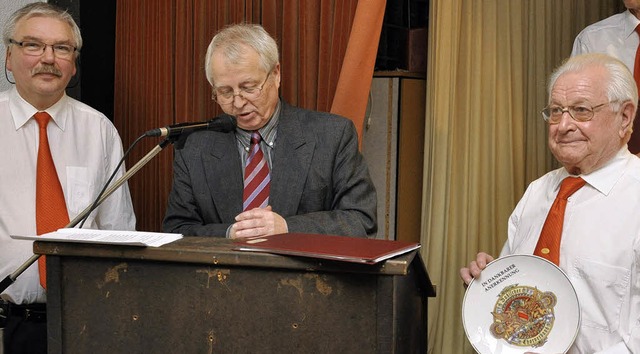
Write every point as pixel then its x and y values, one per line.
pixel 11 278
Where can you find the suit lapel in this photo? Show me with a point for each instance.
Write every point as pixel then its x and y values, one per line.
pixel 291 161
pixel 223 173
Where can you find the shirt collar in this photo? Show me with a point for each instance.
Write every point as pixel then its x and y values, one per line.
pixel 630 23
pixel 22 111
pixel 604 178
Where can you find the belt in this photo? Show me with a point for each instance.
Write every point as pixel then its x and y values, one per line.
pixel 29 312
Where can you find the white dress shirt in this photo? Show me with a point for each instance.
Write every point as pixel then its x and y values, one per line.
pixel 85 147
pixel 615 35
pixel 599 251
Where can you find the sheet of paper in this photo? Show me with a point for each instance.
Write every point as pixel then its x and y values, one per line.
pixel 131 238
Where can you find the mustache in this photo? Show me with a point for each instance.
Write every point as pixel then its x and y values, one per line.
pixel 47 69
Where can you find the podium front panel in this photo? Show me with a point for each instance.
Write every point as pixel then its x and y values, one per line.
pixel 116 304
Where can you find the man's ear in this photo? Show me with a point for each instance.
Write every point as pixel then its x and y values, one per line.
pixel 628 112
pixel 276 74
pixel 7 62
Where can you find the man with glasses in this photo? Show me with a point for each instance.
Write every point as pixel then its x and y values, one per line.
pixel 57 153
pixel 592 103
pixel 284 169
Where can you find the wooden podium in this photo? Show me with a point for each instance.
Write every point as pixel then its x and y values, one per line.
pixel 198 295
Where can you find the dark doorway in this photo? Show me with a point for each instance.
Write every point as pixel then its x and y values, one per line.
pixel 94 83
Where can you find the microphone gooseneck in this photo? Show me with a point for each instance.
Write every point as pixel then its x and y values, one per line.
pixel 220 124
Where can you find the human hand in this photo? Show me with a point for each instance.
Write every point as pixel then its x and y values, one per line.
pixel 475 267
pixel 258 222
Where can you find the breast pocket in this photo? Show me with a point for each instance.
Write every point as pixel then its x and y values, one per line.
pixel 80 186
pixel 601 290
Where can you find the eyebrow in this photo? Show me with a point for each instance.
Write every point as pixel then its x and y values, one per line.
pixel 573 103
pixel 36 39
pixel 242 84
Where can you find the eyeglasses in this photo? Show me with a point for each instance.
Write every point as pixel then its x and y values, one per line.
pixel 225 95
pixel 36 48
pixel 553 114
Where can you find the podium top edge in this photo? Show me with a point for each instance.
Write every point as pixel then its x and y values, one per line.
pixel 220 252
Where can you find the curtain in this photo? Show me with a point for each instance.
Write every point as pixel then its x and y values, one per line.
pixel 352 93
pixel 488 63
pixel 160 80
pixel 143 98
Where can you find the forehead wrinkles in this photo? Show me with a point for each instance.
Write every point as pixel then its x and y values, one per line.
pixel 579 86
pixel 228 73
pixel 44 28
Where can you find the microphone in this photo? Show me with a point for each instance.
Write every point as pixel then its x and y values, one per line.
pixel 223 124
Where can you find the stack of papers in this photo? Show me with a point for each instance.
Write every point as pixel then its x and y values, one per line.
pixel 111 237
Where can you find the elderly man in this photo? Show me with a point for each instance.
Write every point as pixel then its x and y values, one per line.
pixel 592 103
pixel 284 169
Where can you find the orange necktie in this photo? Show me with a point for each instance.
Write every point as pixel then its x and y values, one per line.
pixel 51 210
pixel 549 242
pixel 634 142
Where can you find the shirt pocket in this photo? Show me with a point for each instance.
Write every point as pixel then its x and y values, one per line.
pixel 601 289
pixel 80 185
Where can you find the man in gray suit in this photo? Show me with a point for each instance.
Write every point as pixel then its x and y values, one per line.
pixel 313 178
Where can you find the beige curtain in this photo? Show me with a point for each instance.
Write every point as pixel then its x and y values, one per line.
pixel 488 62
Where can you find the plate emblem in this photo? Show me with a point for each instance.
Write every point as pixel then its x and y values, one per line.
pixel 523 316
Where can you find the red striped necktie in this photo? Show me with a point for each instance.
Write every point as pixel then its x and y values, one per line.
pixel 257 178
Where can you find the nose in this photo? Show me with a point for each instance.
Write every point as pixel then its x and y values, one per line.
pixel 566 121
pixel 48 55
pixel 238 100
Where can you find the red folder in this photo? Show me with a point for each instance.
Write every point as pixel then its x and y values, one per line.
pixel 341 248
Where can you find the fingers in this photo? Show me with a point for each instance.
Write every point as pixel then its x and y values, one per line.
pixel 475 267
pixel 258 222
pixel 252 214
pixel 482 259
pixel 465 275
pixel 251 228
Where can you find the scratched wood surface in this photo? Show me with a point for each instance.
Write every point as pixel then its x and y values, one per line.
pixel 201 296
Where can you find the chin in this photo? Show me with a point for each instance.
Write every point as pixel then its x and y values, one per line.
pixel 50 86
pixel 576 163
pixel 569 159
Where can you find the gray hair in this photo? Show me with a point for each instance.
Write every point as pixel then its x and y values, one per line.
pixel 621 86
pixel 41 9
pixel 233 40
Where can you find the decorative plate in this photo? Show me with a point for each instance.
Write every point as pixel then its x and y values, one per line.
pixel 519 304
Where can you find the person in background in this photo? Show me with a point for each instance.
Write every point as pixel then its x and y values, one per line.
pixel 618 36
pixel 592 102
pixel 57 155
pixel 283 169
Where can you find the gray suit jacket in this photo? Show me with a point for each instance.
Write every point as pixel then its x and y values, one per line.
pixel 319 180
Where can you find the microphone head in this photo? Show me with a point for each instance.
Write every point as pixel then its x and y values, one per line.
pixel 225 124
